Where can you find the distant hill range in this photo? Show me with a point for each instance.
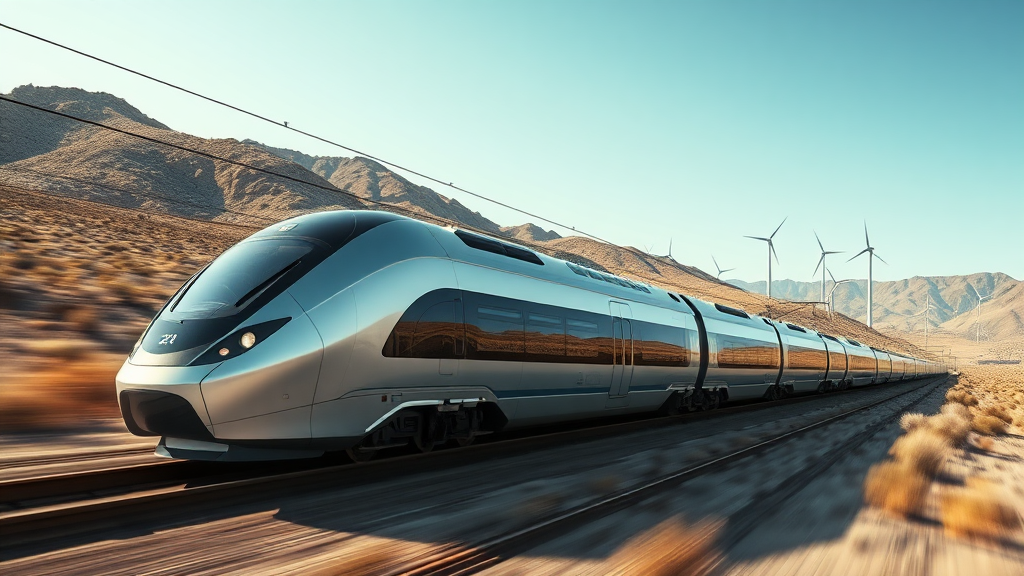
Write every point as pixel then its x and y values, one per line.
pixel 901 304
pixel 41 153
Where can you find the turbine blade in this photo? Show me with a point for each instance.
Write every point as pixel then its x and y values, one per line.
pixel 867 242
pixel 879 257
pixel 820 260
pixel 715 261
pixel 830 275
pixel 818 239
pixel 727 270
pixel 772 248
pixel 859 253
pixel 758 238
pixel 780 226
pixel 835 252
pixel 976 293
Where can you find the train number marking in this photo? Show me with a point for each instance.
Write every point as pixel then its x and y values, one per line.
pixel 168 339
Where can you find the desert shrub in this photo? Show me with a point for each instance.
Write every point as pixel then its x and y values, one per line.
pixel 999 412
pixel 955 429
pixel 961 397
pixel 979 509
pixel 922 450
pixel 912 421
pixel 956 410
pixel 990 425
pixel 985 443
pixel 82 318
pixel 60 396
pixel 896 488
pixel 669 549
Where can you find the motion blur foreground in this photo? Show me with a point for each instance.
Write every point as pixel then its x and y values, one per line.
pixel 362 330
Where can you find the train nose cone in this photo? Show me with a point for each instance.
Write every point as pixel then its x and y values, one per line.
pixel 164 400
pixel 267 392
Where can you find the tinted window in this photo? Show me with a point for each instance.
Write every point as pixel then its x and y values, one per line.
pixel 545 337
pixel 431 328
pixel 494 330
pixel 734 352
pixel 588 338
pixel 801 358
pixel 237 276
pixel 661 345
pixel 862 363
pixel 837 361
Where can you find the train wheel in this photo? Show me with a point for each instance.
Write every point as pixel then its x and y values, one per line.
pixel 359 455
pixel 424 440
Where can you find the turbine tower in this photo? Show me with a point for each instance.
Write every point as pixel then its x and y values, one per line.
pixel 977 321
pixel 771 251
pixel 871 256
pixel 720 271
pixel 821 264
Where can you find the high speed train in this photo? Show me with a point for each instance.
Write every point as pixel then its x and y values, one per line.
pixel 362 331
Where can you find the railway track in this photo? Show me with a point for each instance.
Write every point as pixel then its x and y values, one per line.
pixel 479 556
pixel 174 491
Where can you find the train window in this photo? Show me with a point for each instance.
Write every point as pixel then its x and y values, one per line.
pixel 858 362
pixel 545 338
pixel 673 296
pixel 588 341
pixel 660 345
pixel 832 338
pixel 495 247
pixel 854 342
pixel 730 310
pixel 430 328
pixel 801 358
pixel 734 352
pixel 795 327
pixel 494 332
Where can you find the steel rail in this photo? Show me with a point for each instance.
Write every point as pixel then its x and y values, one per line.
pixel 179 496
pixel 475 557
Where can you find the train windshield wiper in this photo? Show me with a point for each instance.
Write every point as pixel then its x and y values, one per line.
pixel 265 284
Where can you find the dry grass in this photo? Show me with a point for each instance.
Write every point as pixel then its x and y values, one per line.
pixel 985 443
pixel 979 509
pixel 961 396
pixel 912 421
pixel 999 412
pixel 989 425
pixel 671 548
pixel 896 488
pixel 60 396
pixel 955 428
pixel 922 450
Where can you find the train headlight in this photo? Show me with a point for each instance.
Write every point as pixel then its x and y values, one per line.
pixel 239 342
pixel 248 340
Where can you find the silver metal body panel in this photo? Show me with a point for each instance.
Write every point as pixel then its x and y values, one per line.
pixel 838 363
pixel 884 365
pixel 860 376
pixel 277 375
pixel 814 350
pixel 742 383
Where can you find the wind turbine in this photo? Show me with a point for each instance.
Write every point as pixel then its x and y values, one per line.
pixel 832 292
pixel 821 264
pixel 871 256
pixel 720 271
pixel 977 322
pixel 771 251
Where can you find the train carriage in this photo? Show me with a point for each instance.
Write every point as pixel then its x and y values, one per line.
pixel 838 362
pixel 806 359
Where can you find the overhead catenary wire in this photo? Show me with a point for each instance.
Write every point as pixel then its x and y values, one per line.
pixel 285 125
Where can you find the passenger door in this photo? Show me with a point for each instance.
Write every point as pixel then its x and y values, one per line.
pixel 622 355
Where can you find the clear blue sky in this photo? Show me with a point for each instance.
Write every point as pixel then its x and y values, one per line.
pixel 635 121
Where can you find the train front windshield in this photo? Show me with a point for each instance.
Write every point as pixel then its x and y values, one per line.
pixel 237 276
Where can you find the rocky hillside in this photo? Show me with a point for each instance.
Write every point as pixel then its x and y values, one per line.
pixel 901 304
